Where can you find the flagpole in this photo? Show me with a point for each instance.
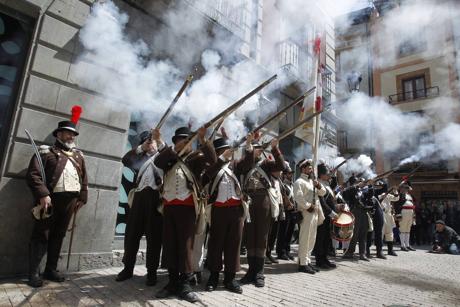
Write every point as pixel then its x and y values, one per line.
pixel 317 103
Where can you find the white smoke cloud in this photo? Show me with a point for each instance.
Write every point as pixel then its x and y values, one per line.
pixel 146 87
pixel 425 26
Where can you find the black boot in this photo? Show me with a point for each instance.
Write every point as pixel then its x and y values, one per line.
pixel 213 281
pixel 269 258
pixel 391 252
pixel 259 279
pixel 380 254
pixel 306 269
pixel 185 291
pixel 125 274
pixel 249 276
pixel 53 275
pixel 330 264
pixel 231 284
pixel 171 288
pixel 151 278
pixel 36 253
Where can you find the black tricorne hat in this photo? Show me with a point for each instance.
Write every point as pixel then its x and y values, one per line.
pixel 220 143
pixel 182 132
pixel 66 125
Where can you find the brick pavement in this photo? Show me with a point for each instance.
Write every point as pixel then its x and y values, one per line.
pixel 411 279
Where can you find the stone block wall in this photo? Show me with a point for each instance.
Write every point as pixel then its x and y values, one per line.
pixel 47 95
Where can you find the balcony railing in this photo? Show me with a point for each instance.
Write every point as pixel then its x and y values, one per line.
pixel 294 60
pixel 229 14
pixel 428 92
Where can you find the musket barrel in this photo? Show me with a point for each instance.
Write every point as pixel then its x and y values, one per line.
pixel 175 100
pixel 222 115
pixel 277 115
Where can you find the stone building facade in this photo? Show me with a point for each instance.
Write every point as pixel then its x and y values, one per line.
pixel 39 47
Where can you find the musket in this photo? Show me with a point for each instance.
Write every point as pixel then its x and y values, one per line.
pixel 277 115
pixel 286 133
pixel 174 102
pixel 404 179
pixel 69 252
pixel 340 164
pixel 216 129
pixel 378 177
pixel 222 115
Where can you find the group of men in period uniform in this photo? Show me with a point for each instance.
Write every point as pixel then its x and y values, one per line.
pixel 183 196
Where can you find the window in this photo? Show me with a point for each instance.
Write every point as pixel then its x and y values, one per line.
pixel 414 88
pixel 14 45
pixel 415 44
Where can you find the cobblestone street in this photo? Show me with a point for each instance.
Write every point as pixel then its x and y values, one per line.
pixel 411 279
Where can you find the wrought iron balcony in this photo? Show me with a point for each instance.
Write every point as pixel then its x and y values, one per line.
pixel 229 14
pixel 428 92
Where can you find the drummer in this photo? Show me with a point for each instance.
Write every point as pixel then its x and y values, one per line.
pixel 329 205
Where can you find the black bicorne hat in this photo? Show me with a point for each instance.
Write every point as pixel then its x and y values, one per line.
pixel 323 169
pixel 66 125
pixel 182 132
pixel 220 143
pixel 353 179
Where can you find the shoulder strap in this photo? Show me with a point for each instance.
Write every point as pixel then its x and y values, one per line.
pixel 258 169
pixel 216 181
pixel 75 164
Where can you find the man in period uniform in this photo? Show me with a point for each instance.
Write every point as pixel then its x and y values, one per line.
pixel 182 207
pixel 228 212
pixel 405 209
pixel 256 185
pixel 307 191
pixel 354 198
pixel 376 214
pixel 329 205
pixel 386 198
pixel 63 192
pixel 143 215
pixel 286 226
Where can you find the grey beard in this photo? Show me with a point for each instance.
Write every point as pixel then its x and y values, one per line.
pixel 68 145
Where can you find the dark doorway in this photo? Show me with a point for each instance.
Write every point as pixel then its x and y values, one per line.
pixel 15 35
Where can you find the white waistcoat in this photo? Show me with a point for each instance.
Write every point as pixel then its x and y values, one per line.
pixel 69 181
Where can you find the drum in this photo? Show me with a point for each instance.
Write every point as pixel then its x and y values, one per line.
pixel 342 227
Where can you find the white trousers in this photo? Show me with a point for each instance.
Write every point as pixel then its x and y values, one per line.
pixel 388 226
pixel 407 218
pixel 307 236
pixel 197 254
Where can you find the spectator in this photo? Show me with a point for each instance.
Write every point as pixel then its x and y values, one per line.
pixel 446 239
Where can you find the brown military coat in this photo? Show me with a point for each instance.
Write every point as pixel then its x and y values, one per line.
pixel 54 161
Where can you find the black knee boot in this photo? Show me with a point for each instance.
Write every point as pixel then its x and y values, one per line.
pixel 249 276
pixel 391 252
pixel 213 281
pixel 231 284
pixel 36 252
pixel 185 291
pixel 259 278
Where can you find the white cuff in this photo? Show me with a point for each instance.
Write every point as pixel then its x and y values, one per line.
pixel 139 150
pixel 221 157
